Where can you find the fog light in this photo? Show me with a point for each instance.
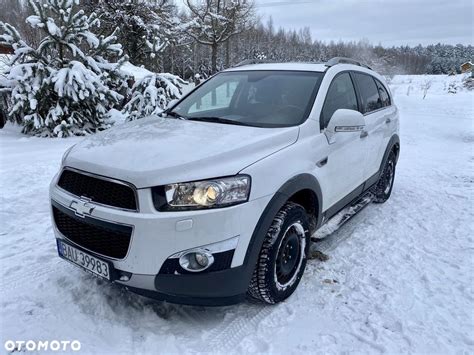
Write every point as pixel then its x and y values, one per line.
pixel 196 260
pixel 202 259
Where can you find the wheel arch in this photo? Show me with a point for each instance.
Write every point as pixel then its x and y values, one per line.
pixel 393 144
pixel 305 190
pixel 296 190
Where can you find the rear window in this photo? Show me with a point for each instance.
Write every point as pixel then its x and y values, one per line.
pixel 384 96
pixel 369 92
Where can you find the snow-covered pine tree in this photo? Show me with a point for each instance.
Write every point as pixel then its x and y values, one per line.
pixel 145 27
pixel 62 87
pixel 151 95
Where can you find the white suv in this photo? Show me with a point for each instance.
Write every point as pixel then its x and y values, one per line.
pixel 217 199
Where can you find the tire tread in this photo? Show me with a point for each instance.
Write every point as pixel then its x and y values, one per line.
pixel 259 288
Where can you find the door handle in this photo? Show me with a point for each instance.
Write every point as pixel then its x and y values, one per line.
pixel 388 120
pixel 364 134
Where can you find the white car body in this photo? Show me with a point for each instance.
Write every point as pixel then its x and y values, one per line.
pixel 158 151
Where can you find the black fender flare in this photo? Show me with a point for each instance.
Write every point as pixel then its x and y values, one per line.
pixel 292 186
pixel 393 142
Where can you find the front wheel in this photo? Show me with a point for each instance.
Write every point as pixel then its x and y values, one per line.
pixel 383 189
pixel 282 259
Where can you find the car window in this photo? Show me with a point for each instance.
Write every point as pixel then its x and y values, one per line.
pixel 218 97
pixel 263 98
pixel 369 92
pixel 341 94
pixel 384 96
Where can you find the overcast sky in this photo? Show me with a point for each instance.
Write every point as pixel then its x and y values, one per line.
pixel 389 22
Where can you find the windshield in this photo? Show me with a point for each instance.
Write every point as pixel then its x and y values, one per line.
pixel 254 98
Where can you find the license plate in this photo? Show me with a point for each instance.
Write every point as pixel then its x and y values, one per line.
pixel 86 261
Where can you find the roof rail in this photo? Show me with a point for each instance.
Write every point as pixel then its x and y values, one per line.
pixel 252 61
pixel 341 60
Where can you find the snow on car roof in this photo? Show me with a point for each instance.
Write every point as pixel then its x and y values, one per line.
pixel 317 67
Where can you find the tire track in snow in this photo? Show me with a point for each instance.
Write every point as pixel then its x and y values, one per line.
pixel 228 335
pixel 30 276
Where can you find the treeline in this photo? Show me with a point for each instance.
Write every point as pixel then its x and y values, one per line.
pixel 206 36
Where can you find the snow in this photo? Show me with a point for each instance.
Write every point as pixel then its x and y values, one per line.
pixel 116 116
pixel 4 60
pixel 399 276
pixel 136 72
pixel 82 93
pixel 34 21
pixel 406 85
pixel 75 81
pixel 152 93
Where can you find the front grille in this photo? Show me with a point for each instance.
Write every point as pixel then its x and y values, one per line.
pixel 98 236
pixel 98 189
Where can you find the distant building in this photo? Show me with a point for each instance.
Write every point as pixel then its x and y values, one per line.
pixel 4 49
pixel 466 67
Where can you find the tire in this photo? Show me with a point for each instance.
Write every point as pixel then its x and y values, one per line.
pixel 383 188
pixel 282 259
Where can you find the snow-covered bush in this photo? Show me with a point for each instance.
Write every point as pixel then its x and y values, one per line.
pixel 151 95
pixel 468 83
pixel 452 88
pixel 64 86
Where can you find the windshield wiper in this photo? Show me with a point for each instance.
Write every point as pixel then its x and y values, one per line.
pixel 218 120
pixel 175 115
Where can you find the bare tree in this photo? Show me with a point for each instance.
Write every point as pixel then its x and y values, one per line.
pixel 425 87
pixel 214 22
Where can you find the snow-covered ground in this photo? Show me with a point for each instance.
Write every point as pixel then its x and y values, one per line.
pixel 399 277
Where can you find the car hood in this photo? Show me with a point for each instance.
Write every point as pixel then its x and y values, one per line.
pixel 155 151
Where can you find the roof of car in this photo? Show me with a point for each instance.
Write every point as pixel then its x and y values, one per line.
pixel 316 67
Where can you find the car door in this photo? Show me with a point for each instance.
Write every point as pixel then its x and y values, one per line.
pixel 344 166
pixel 375 117
pixel 389 118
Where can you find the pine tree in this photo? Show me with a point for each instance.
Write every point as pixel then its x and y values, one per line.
pixel 145 27
pixel 62 87
pixel 152 94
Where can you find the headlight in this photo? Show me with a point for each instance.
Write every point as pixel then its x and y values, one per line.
pixel 214 193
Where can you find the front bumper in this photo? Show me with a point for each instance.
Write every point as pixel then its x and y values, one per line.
pixel 219 288
pixel 158 235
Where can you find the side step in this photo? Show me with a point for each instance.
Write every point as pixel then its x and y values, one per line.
pixel 343 217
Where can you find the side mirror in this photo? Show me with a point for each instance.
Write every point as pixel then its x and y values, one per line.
pixel 344 120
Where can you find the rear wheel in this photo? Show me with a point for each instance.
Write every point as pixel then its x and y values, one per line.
pixel 384 186
pixel 282 259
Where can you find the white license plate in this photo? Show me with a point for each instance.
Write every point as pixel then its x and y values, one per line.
pixel 86 261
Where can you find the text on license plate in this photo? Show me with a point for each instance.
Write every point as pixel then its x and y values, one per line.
pixel 88 262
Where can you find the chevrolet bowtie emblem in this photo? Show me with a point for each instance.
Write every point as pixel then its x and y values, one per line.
pixel 82 207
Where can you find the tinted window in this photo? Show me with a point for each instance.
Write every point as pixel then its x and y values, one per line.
pixel 369 92
pixel 254 98
pixel 383 94
pixel 341 94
